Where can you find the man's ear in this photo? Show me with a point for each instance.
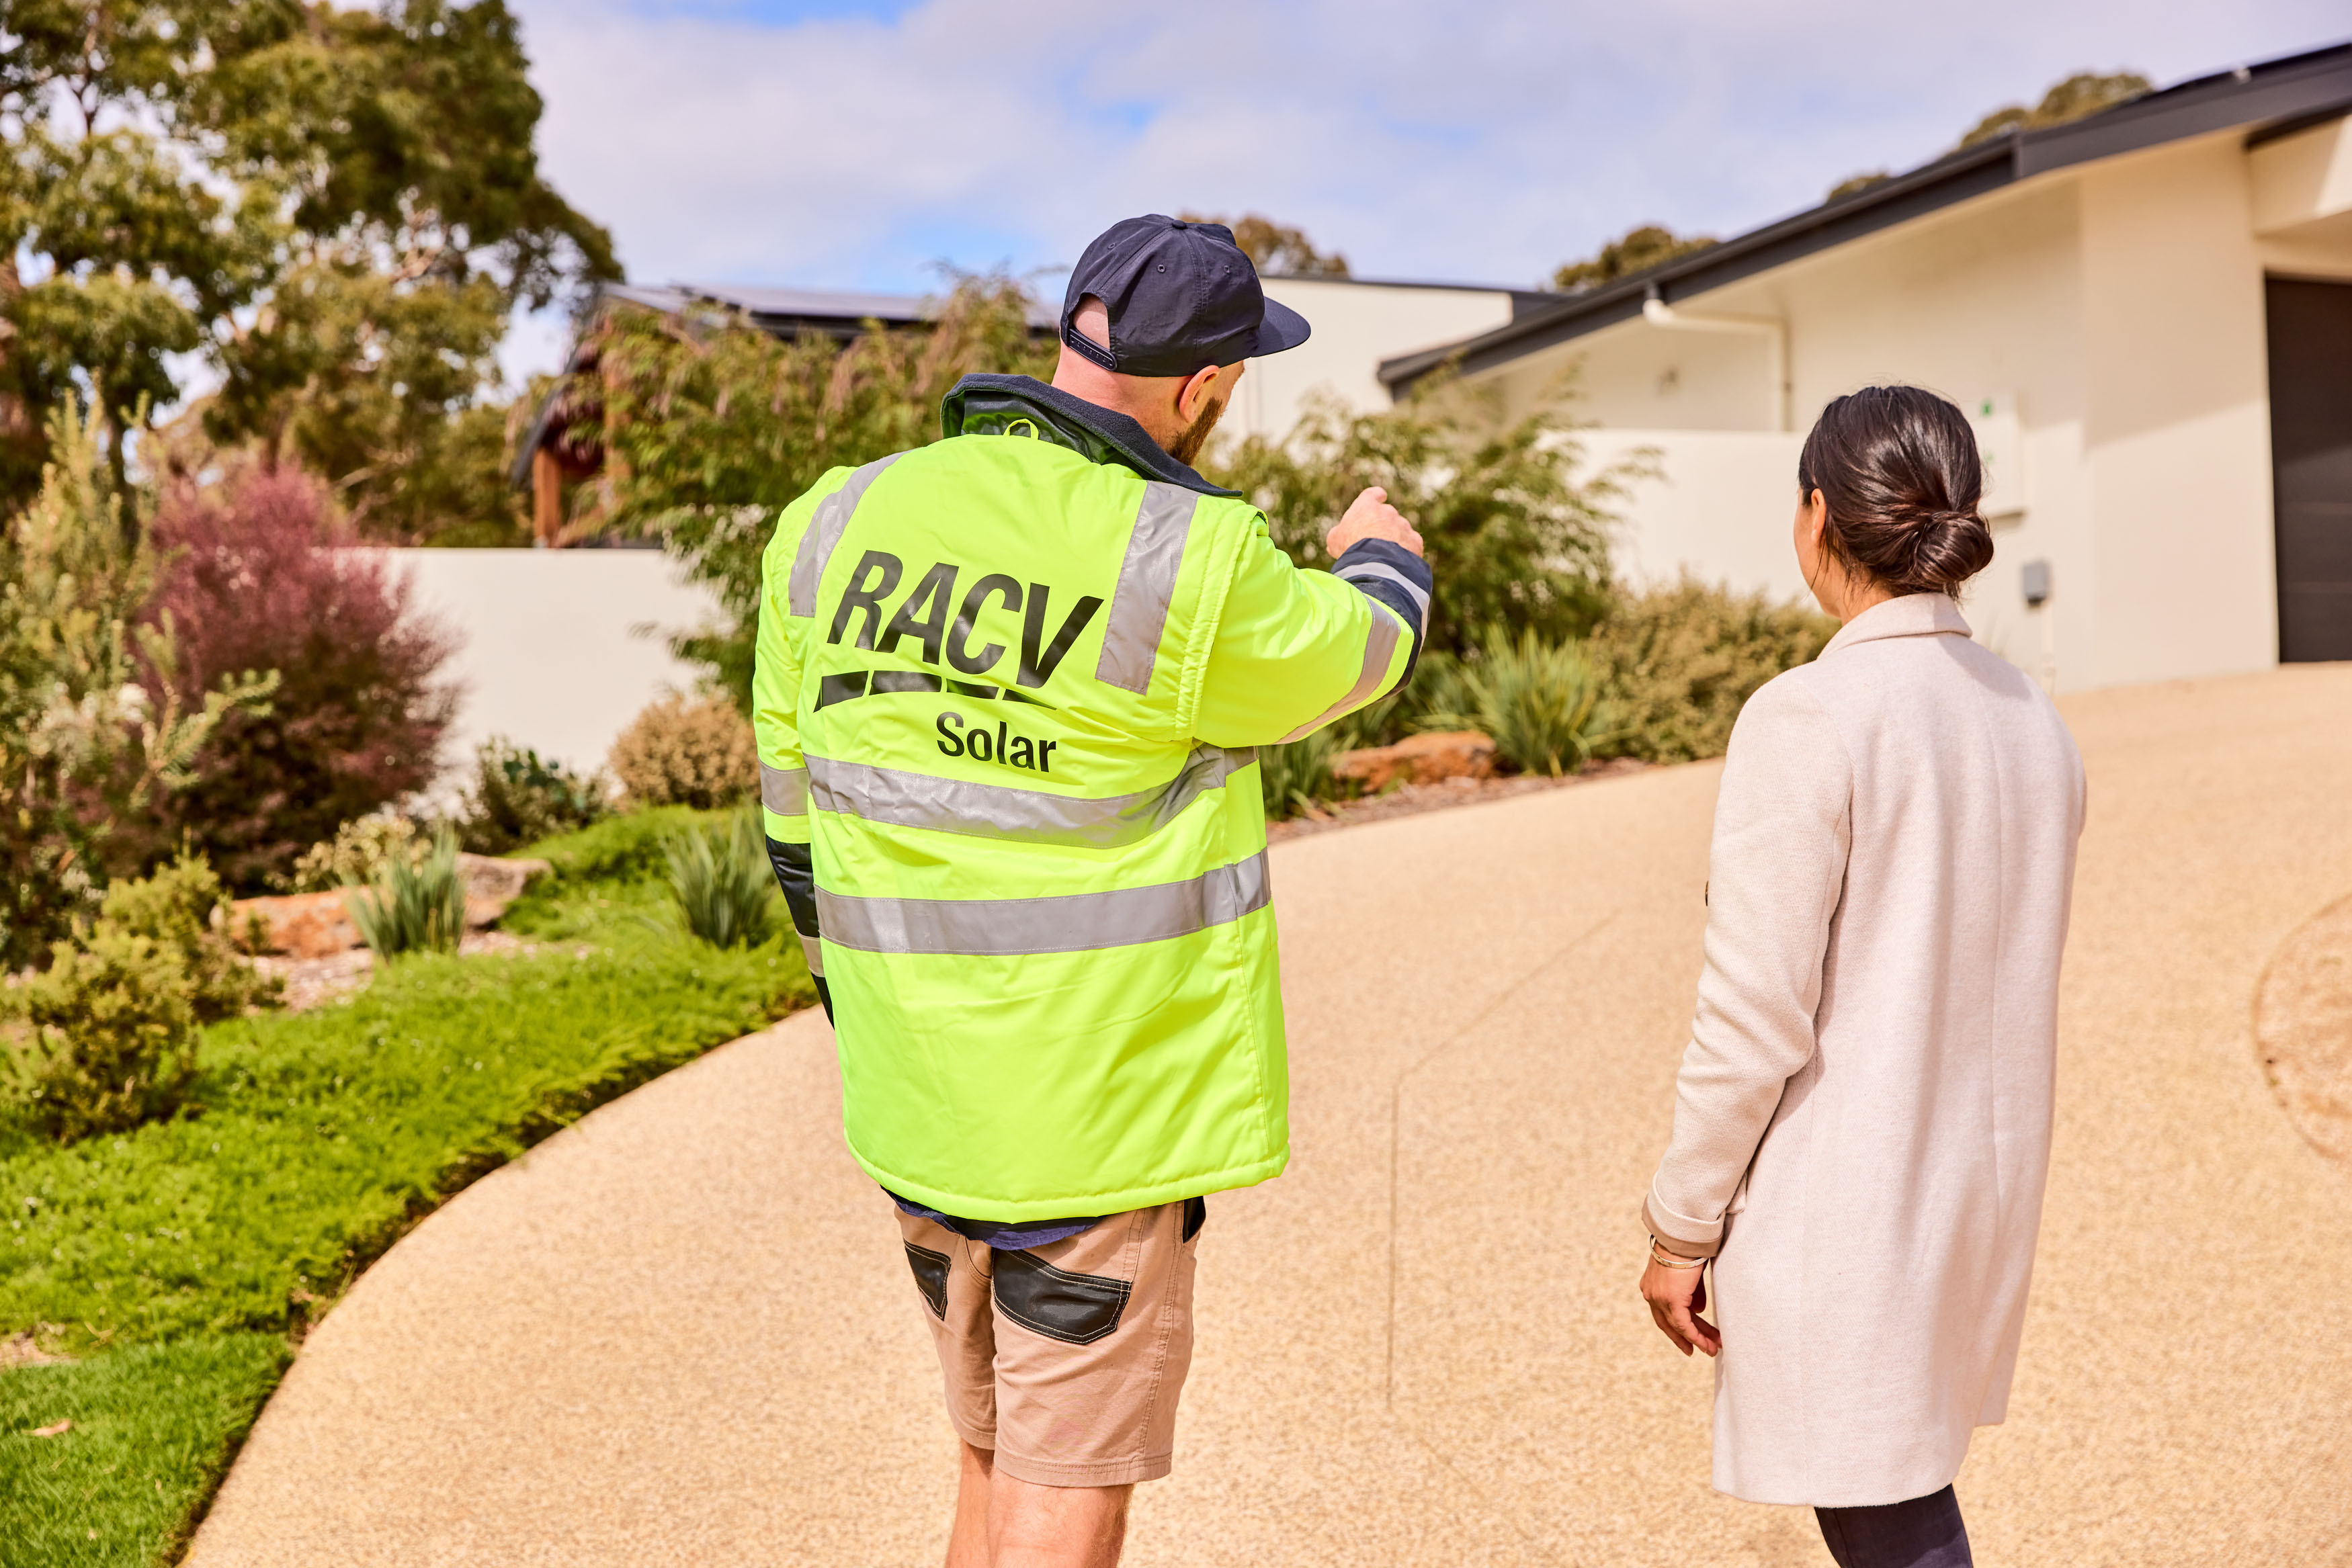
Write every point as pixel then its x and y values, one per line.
pixel 1198 389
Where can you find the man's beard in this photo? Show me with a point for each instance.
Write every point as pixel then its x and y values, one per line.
pixel 1187 446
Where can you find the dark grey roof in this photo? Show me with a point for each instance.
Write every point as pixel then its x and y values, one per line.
pixel 1522 299
pixel 2300 88
pixel 785 311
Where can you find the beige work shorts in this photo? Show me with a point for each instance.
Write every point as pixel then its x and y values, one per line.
pixel 1066 1359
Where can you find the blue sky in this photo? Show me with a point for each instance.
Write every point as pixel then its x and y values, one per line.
pixel 858 143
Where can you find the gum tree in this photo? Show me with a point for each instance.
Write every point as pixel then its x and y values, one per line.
pixel 331 212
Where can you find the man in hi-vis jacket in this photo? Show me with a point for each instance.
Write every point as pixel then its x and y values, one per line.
pixel 1010 690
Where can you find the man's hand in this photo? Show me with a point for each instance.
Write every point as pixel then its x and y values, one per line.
pixel 1676 1297
pixel 1369 517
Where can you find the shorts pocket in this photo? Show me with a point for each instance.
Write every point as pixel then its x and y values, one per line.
pixel 1076 1309
pixel 931 1277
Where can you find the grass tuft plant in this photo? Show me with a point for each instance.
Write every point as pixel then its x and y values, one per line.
pixel 414 906
pixel 1537 700
pixel 724 888
pixel 1296 778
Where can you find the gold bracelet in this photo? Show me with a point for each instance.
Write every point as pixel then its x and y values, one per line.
pixel 1670 1262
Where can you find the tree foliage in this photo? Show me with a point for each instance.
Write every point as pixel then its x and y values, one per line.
pixel 1517 533
pixel 336 211
pixel 713 425
pixel 1636 250
pixel 1278 250
pixel 89 739
pixel 2083 93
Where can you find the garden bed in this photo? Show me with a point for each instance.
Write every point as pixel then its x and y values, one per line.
pixel 1411 799
pixel 176 1267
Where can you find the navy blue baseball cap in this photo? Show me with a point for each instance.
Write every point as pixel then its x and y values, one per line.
pixel 1182 297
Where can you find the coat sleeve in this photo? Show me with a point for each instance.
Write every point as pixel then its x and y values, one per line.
pixel 1776 872
pixel 775 724
pixel 1294 650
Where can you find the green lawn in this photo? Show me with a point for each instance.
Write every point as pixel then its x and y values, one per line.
pixel 175 1262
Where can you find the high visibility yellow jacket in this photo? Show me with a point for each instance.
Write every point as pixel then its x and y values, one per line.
pixel 1008 690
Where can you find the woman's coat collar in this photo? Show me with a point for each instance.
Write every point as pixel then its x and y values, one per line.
pixel 1911 615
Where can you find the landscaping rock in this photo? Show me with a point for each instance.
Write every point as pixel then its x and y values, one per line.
pixel 299 925
pixel 1420 759
pixel 493 883
pixel 318 926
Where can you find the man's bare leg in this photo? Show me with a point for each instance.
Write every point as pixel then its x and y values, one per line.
pixel 1030 1526
pixel 968 1542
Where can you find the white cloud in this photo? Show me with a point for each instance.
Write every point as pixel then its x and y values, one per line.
pixel 1471 140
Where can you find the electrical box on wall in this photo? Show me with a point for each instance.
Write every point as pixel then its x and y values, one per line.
pixel 2001 444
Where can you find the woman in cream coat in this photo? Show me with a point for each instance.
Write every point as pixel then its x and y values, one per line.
pixel 1862 1123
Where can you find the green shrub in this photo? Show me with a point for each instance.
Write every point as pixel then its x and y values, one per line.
pixel 1677 663
pixel 414 906
pixel 1537 700
pixel 184 908
pixel 687 751
pixel 724 888
pixel 618 849
pixel 86 750
pixel 518 796
pixel 1515 517
pixel 358 851
pixel 106 1038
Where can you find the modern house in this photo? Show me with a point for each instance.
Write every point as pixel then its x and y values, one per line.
pixel 2147 312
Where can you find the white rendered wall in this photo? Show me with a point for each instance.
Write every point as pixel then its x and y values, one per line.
pixel 2177 426
pixel 1718 507
pixel 1355 327
pixel 2104 328
pixel 558 649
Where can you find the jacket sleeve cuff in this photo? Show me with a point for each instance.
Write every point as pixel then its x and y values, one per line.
pixel 1679 1234
pixel 1398 580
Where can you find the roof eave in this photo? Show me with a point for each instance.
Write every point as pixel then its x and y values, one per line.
pixel 2279 91
pixel 1956 177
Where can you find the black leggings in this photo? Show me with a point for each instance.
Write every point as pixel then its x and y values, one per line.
pixel 1925 1532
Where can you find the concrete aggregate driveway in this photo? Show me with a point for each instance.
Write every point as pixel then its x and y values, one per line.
pixel 683 1331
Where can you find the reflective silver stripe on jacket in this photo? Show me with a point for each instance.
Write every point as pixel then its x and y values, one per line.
pixel 1032 816
pixel 1068 922
pixel 1386 574
pixel 784 790
pixel 825 532
pixel 1146 585
pixel 1380 647
pixel 812 950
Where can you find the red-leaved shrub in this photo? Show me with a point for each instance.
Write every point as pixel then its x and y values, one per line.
pixel 252 581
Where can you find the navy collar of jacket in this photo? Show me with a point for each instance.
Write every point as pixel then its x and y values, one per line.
pixel 992 405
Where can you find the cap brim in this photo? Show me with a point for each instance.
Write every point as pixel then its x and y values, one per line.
pixel 1281 328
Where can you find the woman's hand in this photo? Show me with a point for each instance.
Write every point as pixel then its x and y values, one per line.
pixel 1676 1297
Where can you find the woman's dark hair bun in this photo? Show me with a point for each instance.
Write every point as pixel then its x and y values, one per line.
pixel 1899 469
